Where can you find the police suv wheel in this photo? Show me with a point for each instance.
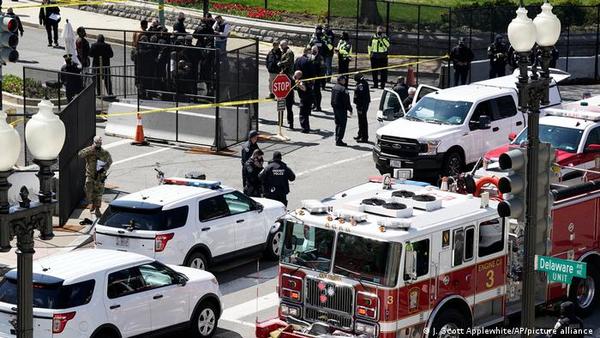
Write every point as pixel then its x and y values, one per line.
pixel 197 261
pixel 585 292
pixel 274 244
pixel 205 320
pixel 447 324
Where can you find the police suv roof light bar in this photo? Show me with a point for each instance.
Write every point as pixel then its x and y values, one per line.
pixel 213 185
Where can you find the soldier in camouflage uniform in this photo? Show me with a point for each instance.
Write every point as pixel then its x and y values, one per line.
pixel 97 163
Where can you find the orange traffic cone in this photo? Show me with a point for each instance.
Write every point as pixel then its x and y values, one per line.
pixel 139 139
pixel 411 80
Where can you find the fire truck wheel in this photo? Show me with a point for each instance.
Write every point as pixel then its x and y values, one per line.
pixel 585 293
pixel 446 323
pixel 274 244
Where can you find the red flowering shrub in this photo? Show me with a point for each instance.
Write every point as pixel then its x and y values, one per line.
pixel 247 11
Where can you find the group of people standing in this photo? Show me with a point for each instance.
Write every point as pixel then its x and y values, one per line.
pixel 165 64
pixel 270 181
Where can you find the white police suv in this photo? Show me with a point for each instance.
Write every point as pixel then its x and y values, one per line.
pixel 112 294
pixel 191 222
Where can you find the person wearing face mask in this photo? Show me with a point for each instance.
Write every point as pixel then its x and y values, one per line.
pixel 344 49
pixel 498 55
pixel 461 57
pixel 324 47
pixel 97 163
pixel 179 26
pixel 70 77
pixel 318 66
pixel 378 53
pixel 253 167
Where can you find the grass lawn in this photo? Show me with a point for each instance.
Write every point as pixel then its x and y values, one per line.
pixel 319 7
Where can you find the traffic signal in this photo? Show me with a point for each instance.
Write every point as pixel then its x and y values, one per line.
pixel 543 196
pixel 513 184
pixel 8 39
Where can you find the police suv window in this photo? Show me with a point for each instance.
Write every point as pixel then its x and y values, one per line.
pixel 491 237
pixel 213 208
pixel 237 202
pixel 593 137
pixel 125 282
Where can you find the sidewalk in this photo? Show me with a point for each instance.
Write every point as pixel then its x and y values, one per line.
pixel 67 238
pixel 29 18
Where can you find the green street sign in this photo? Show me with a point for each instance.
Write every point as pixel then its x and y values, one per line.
pixel 560 270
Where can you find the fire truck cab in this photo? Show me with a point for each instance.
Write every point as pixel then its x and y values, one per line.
pixel 409 260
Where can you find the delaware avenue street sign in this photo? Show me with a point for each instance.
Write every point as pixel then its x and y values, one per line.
pixel 560 270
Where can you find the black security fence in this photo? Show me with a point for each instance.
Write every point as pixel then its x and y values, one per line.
pixel 79 118
pixel 423 30
pixel 164 72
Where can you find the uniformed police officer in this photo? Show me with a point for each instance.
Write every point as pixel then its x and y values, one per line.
pixel 325 50
pixel 252 168
pixel 362 99
pixel 275 178
pixel 498 55
pixel 461 57
pixel 248 149
pixel 306 98
pixel 340 102
pixel 378 52
pixel 344 49
pixel 97 163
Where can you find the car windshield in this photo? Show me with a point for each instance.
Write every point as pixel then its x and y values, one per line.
pixel 433 110
pixel 144 219
pixel 367 259
pixel 562 138
pixel 307 246
pixel 50 296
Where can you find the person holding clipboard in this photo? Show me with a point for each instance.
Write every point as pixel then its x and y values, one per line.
pixel 50 17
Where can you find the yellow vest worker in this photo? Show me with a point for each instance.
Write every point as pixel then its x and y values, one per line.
pixel 378 52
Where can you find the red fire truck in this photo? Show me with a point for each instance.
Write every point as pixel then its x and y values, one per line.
pixel 408 260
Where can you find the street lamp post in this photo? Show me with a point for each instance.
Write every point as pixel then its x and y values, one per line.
pixel 533 90
pixel 45 136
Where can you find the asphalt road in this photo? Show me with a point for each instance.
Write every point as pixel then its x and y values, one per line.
pixel 322 169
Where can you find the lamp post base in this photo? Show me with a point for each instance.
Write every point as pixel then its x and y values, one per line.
pixel 4 186
pixel 45 175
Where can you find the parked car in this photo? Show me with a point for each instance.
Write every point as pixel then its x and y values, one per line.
pixel 110 294
pixel 196 223
pixel 447 129
pixel 573 133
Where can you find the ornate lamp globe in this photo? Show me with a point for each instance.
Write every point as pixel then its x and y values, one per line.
pixel 45 133
pixel 521 32
pixel 9 143
pixel 547 26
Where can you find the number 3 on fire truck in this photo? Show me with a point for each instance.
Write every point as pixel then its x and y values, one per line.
pixel 490 278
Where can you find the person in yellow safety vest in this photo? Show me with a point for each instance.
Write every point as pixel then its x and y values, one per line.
pixel 378 52
pixel 344 49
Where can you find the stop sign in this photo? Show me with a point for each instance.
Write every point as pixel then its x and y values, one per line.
pixel 281 86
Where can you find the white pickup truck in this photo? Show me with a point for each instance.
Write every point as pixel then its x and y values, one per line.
pixel 447 129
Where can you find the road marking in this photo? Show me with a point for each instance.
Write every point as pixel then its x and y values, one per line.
pixel 325 166
pixel 140 156
pixel 116 144
pixel 235 313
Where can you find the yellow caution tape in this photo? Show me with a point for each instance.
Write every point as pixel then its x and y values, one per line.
pixel 252 101
pixel 17 121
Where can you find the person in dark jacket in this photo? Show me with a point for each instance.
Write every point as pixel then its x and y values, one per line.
pixel 498 55
pixel 275 178
pixel 50 17
pixel 401 88
pixel 273 58
pixel 340 102
pixel 306 98
pixel 101 53
pixel 362 99
pixel 203 34
pixel 73 83
pixel 304 64
pixel 248 149
pixel 179 26
pixel 146 55
pixel 328 55
pixel 83 48
pixel 252 169
pixel 287 67
pixel 11 13
pixel 461 57
pixel 318 68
